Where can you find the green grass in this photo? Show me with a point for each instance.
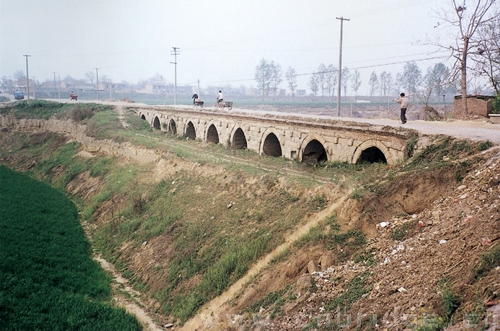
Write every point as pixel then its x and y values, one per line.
pixel 48 280
pixel 353 291
pixel 489 260
pixel 212 245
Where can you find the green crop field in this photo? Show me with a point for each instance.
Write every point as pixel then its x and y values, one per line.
pixel 48 280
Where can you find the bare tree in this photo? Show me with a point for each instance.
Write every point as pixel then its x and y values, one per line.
pixel 263 76
pixel 291 78
pixel 346 75
pixel 356 83
pixel 411 77
pixel 313 84
pixel 321 78
pixel 466 20
pixel 331 80
pixel 487 56
pixel 275 77
pixel 373 82
pixel 90 76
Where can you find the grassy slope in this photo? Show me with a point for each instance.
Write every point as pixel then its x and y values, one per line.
pixel 196 244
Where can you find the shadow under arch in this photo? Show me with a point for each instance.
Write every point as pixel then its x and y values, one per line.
pixel 312 149
pixel 212 134
pixel 370 151
pixel 271 145
pixel 238 139
pixel 190 131
pixel 156 123
pixel 172 127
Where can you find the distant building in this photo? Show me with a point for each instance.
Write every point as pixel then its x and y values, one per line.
pixel 480 105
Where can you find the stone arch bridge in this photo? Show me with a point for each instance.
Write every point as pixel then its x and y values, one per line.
pixel 301 137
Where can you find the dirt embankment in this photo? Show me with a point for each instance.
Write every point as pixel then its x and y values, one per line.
pixel 425 231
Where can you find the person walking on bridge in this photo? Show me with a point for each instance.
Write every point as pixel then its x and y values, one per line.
pixel 404 103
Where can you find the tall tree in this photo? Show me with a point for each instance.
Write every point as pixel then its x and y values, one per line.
pixel 90 76
pixel 439 77
pixel 383 83
pixel 356 83
pixel 346 75
pixel 331 80
pixel 373 82
pixel 313 84
pixel 263 76
pixel 411 77
pixel 321 75
pixel 466 21
pixel 487 55
pixel 291 79
pixel 276 80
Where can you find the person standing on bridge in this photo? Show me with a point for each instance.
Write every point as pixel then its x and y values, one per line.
pixel 404 103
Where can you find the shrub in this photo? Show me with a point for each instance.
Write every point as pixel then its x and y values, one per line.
pixel 496 105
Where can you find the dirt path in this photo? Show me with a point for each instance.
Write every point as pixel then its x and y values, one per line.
pixel 212 312
pixel 121 285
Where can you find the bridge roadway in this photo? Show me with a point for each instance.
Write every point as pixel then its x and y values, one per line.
pixel 294 136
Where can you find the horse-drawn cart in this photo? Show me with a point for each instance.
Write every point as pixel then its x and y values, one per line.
pixel 73 96
pixel 223 104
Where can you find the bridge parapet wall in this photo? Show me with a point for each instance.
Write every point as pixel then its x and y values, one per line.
pixel 293 137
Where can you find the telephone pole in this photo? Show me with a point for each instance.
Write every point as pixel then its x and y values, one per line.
pixel 55 89
pixel 97 81
pixel 175 53
pixel 342 19
pixel 27 78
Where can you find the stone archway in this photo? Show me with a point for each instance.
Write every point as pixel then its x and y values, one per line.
pixel 239 140
pixel 272 146
pixel 372 155
pixel 190 131
pixel 156 123
pixel 314 152
pixel 172 127
pixel 212 134
pixel 371 151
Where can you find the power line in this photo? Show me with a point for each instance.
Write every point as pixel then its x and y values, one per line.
pixel 331 71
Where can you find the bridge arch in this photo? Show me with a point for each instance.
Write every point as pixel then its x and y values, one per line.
pixel 143 117
pixel 172 127
pixel 190 131
pixel 271 145
pixel 371 151
pixel 212 134
pixel 156 123
pixel 312 149
pixel 238 139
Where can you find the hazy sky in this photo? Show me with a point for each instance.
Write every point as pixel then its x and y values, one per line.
pixel 220 41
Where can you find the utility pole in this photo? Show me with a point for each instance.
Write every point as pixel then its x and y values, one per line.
pixel 55 89
pixel 97 81
pixel 34 85
pixel 342 19
pixel 27 78
pixel 175 53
